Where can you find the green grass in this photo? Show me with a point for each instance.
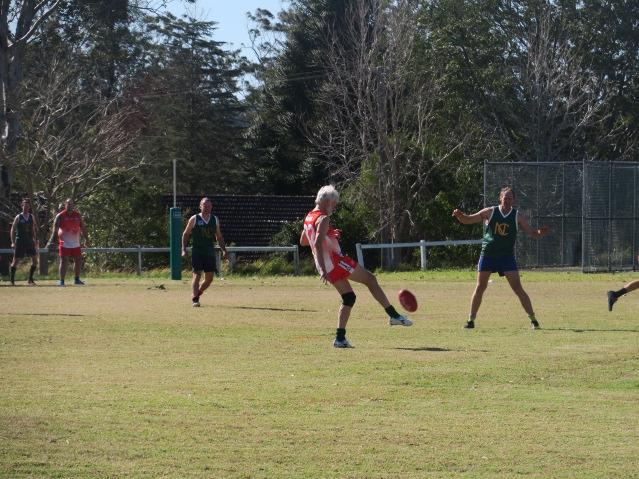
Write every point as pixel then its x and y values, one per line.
pixel 123 379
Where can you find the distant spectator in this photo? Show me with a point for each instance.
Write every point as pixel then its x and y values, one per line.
pixel 69 228
pixel 24 241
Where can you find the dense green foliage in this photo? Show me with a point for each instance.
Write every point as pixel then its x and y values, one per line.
pixel 398 102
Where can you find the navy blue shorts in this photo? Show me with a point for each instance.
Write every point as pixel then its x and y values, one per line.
pixel 25 249
pixel 203 262
pixel 500 264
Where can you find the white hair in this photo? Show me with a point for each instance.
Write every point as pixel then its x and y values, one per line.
pixel 327 192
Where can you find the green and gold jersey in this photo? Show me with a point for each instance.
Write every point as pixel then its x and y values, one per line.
pixel 203 234
pixel 500 234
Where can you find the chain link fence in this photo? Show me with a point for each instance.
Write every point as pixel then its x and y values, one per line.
pixel 611 216
pixel 592 209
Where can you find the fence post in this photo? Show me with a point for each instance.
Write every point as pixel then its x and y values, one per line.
pixel 218 261
pixel 422 254
pixel 296 260
pixel 360 255
pixel 139 260
pixel 232 258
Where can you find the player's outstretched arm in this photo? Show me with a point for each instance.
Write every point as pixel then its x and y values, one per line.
pixel 304 239
pixel 187 234
pixel 534 233
pixel 14 231
pixel 220 238
pixel 463 218
pixel 322 230
pixel 54 232
pixel 34 232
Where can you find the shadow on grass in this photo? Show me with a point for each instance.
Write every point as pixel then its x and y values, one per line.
pixel 274 309
pixel 41 314
pixel 441 350
pixel 579 330
pixel 55 285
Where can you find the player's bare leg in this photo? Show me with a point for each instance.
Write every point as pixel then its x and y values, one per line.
pixel 195 289
pixel 34 266
pixel 208 279
pixel 77 267
pixel 12 269
pixel 345 290
pixel 62 268
pixel 362 275
pixel 476 298
pixel 515 283
pixel 613 296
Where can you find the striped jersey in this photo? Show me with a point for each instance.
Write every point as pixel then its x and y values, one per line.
pixel 331 249
pixel 69 229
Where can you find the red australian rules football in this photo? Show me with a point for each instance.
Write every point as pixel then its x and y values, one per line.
pixel 407 300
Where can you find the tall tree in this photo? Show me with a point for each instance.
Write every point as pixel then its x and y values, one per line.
pixel 20 22
pixel 189 91
pixel 285 100
pixel 379 106
pixel 73 140
pixel 524 77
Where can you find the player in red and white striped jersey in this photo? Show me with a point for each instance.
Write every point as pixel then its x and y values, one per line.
pixel 69 228
pixel 338 269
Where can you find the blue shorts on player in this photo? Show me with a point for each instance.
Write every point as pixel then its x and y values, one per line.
pixel 498 264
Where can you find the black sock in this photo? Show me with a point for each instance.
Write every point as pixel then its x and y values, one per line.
pixel 31 271
pixel 621 292
pixel 392 312
pixel 196 299
pixel 77 278
pixel 13 273
pixel 340 334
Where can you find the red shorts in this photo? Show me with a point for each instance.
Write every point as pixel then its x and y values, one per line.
pixel 69 251
pixel 343 267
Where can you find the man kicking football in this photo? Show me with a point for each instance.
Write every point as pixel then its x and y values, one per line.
pixel 338 269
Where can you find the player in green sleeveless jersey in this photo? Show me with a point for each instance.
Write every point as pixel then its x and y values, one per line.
pixel 24 241
pixel 501 224
pixel 205 229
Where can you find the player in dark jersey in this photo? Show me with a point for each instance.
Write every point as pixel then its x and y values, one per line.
pixel 205 229
pixel 501 224
pixel 24 241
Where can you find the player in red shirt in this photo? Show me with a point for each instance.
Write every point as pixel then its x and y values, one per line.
pixel 338 269
pixel 69 228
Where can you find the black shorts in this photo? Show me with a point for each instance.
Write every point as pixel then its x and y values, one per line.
pixel 203 262
pixel 24 249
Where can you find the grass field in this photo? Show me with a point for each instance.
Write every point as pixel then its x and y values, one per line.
pixel 122 378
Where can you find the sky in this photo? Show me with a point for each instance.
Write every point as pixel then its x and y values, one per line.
pixel 230 15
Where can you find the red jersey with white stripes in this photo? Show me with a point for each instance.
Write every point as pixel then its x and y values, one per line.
pixel 69 228
pixel 331 247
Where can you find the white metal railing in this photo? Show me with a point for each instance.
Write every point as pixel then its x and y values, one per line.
pixel 232 250
pixel 422 245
